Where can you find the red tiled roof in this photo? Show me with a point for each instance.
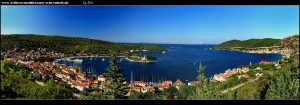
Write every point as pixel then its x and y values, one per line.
pixel 80 74
pixel 80 84
pixel 245 75
pixel 96 81
pixel 245 68
pixel 165 83
pixel 101 76
pixel 264 62
pixel 139 82
pixel 178 81
pixel 77 68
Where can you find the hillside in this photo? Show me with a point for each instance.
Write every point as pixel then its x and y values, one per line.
pixel 291 43
pixel 250 43
pixel 70 45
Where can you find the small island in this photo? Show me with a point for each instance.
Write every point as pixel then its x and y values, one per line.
pixel 175 47
pixel 144 58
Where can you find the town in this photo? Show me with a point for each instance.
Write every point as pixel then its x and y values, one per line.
pixel 82 81
pixel 73 75
pixel 242 72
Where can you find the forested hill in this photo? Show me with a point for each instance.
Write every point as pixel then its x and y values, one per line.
pixel 70 45
pixel 251 43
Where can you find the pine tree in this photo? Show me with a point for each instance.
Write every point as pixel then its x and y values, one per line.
pixel 206 90
pixel 114 87
pixel 201 76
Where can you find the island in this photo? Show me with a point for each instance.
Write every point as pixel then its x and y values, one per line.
pixel 144 58
pixel 175 47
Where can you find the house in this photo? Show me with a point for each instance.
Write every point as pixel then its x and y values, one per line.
pixel 243 75
pixel 245 69
pixel 150 88
pixel 167 83
pixel 131 85
pixel 264 62
pixel 258 68
pixel 160 87
pixel 80 86
pixel 144 58
pixel 177 83
pixel 258 74
pixel 194 83
pixel 137 89
pixel 101 78
pixel 130 92
pixel 77 69
pixel 95 81
pixel 81 75
pixel 139 83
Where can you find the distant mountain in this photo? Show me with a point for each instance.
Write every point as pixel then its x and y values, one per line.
pixel 70 45
pixel 250 43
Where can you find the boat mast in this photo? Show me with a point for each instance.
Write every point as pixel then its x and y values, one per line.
pixel 152 78
pixel 131 77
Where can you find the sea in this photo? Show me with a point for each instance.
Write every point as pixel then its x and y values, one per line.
pixel 181 63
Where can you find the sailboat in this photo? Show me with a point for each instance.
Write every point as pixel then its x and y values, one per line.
pixel 103 59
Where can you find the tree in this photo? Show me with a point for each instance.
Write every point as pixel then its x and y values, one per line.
pixel 207 90
pixel 30 77
pixel 151 96
pixel 230 95
pixel 4 67
pixel 114 87
pixel 170 92
pixel 201 76
pixel 136 96
pixel 281 86
pixel 184 91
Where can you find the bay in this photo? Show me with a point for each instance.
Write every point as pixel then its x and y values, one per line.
pixel 177 63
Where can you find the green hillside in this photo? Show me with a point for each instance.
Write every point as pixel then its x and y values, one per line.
pixel 70 45
pixel 250 43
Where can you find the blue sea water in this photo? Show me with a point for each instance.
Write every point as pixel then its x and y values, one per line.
pixel 177 63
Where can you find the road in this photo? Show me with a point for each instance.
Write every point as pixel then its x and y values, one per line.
pixel 239 85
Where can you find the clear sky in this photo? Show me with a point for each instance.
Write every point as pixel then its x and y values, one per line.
pixel 153 24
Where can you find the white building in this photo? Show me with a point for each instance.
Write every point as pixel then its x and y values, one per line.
pixel 101 78
pixel 139 83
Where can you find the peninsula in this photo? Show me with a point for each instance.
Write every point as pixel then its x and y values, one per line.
pixel 73 46
pixel 261 46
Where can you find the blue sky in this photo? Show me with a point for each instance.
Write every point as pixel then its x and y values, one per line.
pixel 153 24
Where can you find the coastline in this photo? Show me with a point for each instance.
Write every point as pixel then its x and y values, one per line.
pixel 130 60
pixel 254 52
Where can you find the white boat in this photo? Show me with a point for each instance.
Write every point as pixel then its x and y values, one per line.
pixel 77 60
pixel 163 52
pixel 103 59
